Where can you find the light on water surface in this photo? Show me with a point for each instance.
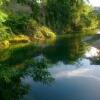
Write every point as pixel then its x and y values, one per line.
pixel 92 52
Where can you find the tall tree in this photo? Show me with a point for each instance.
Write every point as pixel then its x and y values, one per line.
pixel 70 15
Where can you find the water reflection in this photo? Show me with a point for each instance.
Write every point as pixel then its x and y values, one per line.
pixel 93 55
pixel 38 70
pixel 10 78
pixel 92 52
pixel 27 69
pixel 72 73
pixel 71 84
pixel 67 50
pixel 10 84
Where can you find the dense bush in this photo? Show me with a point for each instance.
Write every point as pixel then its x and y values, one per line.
pixel 18 24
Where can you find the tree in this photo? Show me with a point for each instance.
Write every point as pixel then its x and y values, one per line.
pixel 57 12
pixel 3 18
pixel 70 15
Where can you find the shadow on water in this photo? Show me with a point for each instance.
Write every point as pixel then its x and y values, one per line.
pixel 34 61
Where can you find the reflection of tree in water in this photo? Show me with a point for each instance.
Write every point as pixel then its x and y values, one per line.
pixel 11 87
pixel 10 84
pixel 18 54
pixel 65 49
pixel 38 70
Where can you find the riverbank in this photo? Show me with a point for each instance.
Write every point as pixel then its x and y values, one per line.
pixel 40 35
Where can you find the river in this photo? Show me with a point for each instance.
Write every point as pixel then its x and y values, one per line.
pixel 67 69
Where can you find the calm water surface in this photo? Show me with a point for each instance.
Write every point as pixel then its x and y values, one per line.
pixel 67 69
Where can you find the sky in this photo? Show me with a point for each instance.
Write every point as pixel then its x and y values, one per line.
pixel 95 3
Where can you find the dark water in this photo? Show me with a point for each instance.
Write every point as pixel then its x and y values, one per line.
pixel 66 69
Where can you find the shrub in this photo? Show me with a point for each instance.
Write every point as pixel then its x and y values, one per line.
pixel 4 32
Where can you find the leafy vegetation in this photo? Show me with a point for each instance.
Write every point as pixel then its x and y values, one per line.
pixel 70 16
pixel 31 17
pixel 4 30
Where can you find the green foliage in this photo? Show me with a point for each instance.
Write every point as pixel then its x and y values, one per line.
pixel 75 15
pixel 33 4
pixel 18 24
pixel 98 17
pixel 32 26
pixel 3 17
pixel 62 16
pixel 57 14
pixel 4 31
pixel 39 31
pixel 83 19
